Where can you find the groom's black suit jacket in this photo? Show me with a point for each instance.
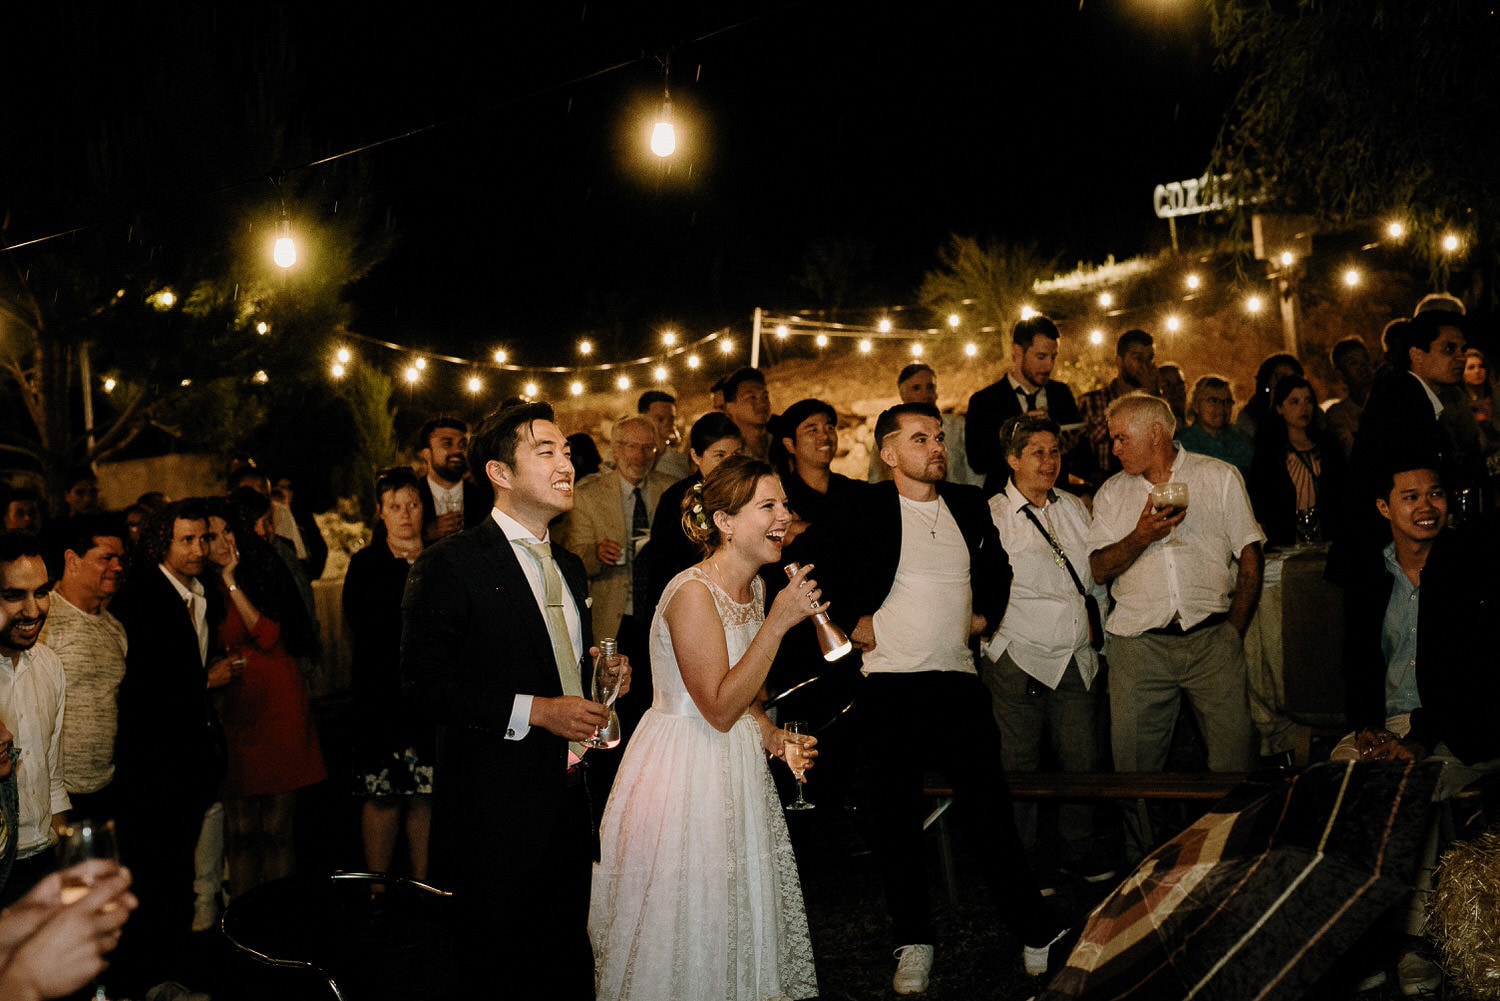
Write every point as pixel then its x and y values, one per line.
pixel 472 639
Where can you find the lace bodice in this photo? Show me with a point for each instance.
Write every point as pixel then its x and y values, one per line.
pixel 741 622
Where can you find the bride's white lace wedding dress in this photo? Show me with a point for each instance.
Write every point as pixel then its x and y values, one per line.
pixel 696 894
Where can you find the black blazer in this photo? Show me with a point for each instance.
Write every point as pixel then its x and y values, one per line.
pixel 472 639
pixel 478 499
pixel 1456 641
pixel 991 407
pixel 1367 591
pixel 867 541
pixel 169 744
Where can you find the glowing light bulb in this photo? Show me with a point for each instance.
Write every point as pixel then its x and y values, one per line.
pixel 285 251
pixel 167 298
pixel 1351 277
pixel 953 321
pixel 821 340
pixel 109 385
pixel 530 389
pixel 865 347
pixel 782 333
pixel 669 338
pixel 261 378
pixel 1450 242
pixel 421 364
pixel 1174 324
pixel 585 348
pixel 474 384
pixel 1193 281
pixel 1395 230
pixel 663 135
pixel 500 356
pixel 1096 337
pixel 1287 258
pixel 337 370
pixel 1254 304
pixel 262 328
pixel 576 388
pixel 692 361
pixel 659 373
pixel 1027 312
pixel 411 374
pixel 1106 300
pixel 343 356
pixel 726 346
pixel 971 349
pixel 917 349
pixel 884 326
pixel 623 382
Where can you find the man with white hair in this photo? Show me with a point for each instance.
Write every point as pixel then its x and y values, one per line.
pixel 1185 581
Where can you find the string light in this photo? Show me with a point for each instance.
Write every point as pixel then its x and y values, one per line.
pixel 343 356
pixel 1096 337
pixel 693 362
pixel 421 364
pixel 971 349
pixel 669 338
pixel 1254 304
pixel 1451 243
pixel 1027 312
pixel 1193 281
pixel 285 251
pixel 865 347
pixel 726 346
pixel 622 383
pixel 261 378
pixel 530 389
pixel 1395 229
pixel 585 348
pixel 475 385
pixel 1351 277
pixel 262 328
pixel 917 349
pixel 663 135
pixel 953 321
pixel 1106 300
pixel 337 370
pixel 659 373
pixel 411 374
pixel 166 298
pixel 782 333
pixel 884 326
pixel 1173 324
pixel 109 385
pixel 821 340
pixel 500 356
pixel 1287 258
pixel 576 388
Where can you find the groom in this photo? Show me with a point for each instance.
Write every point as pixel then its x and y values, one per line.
pixel 500 669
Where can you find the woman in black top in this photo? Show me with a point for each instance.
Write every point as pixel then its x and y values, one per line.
pixel 1298 473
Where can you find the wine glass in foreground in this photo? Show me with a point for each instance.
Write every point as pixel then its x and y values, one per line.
pixel 606 690
pixel 796 760
pixel 1170 498
pixel 80 842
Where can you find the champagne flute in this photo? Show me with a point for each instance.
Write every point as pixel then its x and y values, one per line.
pixel 81 841
pixel 606 689
pixel 1171 498
pixel 1308 526
pixel 796 760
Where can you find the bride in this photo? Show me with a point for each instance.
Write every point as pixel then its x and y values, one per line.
pixel 696 893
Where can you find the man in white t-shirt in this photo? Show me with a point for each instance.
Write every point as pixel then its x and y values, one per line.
pixel 920 576
pixel 1184 582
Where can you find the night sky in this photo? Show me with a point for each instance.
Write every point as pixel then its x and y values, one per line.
pixel 525 211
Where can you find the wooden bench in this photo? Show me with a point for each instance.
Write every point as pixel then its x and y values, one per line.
pixel 1063 786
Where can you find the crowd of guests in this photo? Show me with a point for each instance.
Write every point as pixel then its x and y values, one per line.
pixel 1018 589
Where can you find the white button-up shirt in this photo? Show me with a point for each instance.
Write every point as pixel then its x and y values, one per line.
pixel 1188 582
pixel 35 715
pixel 1045 624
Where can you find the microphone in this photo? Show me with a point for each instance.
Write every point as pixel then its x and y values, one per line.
pixel 831 639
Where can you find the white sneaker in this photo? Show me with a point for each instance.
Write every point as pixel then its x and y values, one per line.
pixel 1035 957
pixel 913 966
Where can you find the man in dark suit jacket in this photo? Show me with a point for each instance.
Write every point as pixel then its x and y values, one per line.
pixel 1027 388
pixel 501 675
pixel 169 748
pixel 920 575
pixel 443 443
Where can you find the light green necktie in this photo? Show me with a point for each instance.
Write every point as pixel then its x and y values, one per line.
pixel 557 626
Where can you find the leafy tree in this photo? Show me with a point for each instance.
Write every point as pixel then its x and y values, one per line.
pixel 985 283
pixel 1357 111
pixel 157 172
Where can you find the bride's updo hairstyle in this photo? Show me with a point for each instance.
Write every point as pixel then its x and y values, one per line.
pixel 728 488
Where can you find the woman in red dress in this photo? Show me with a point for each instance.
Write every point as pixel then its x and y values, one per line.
pixel 273 747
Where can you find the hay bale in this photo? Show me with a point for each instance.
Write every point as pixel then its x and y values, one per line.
pixel 1464 917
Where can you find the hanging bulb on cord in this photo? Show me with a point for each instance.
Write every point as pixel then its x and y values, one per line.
pixel 285 252
pixel 663 135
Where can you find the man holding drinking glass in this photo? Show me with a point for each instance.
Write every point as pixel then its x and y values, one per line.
pixel 1185 578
